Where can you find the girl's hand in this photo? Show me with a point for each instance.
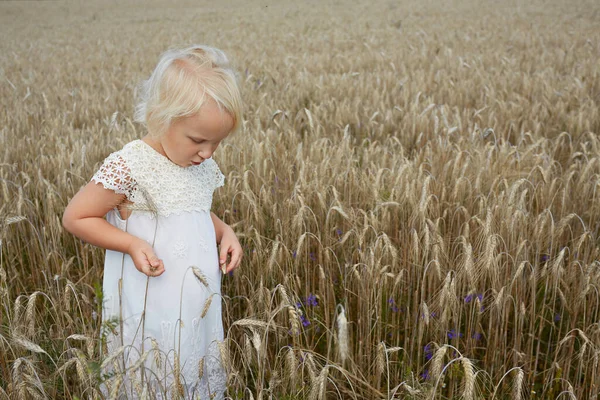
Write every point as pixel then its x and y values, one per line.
pixel 144 258
pixel 230 245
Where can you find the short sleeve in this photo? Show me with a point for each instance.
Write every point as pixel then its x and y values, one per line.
pixel 115 175
pixel 218 178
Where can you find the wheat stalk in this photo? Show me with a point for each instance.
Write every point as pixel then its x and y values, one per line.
pixel 115 389
pixel 29 314
pixel 28 345
pixel 111 357
pixel 291 367
pixel 201 368
pixel 200 276
pixel 517 390
pixel 437 362
pixel 178 390
pixel 317 390
pixel 469 381
pixel 206 307
pixel 342 339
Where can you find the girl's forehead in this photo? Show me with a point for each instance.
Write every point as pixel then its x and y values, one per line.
pixel 210 119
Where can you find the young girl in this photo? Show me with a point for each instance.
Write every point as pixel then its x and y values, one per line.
pixel 162 271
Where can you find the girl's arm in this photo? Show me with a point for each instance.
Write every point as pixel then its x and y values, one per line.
pixel 220 227
pixel 84 214
pixel 84 218
pixel 229 245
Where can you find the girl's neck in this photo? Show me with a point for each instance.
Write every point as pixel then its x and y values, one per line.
pixel 155 144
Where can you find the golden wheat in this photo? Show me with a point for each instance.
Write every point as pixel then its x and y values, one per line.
pixel 435 173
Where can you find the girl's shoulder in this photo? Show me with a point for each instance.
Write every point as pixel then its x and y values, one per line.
pixel 135 154
pixel 115 174
pixel 135 148
pixel 128 150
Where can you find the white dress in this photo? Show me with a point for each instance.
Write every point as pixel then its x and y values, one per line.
pixel 182 319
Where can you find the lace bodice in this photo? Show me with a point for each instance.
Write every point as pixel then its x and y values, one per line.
pixel 155 184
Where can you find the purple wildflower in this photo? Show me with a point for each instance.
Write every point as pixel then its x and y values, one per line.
pixel 453 334
pixel 311 300
pixel 477 336
pixel 392 304
pixel 313 257
pixel 471 297
pixel 556 317
pixel 305 321
pixel 425 375
pixel 428 352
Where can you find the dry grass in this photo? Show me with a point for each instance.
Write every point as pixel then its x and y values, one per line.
pixel 427 171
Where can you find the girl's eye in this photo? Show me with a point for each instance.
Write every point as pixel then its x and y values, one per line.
pixel 197 141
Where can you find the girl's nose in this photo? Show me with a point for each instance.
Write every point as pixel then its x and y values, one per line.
pixel 205 153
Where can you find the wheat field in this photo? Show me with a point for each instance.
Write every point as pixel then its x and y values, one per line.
pixel 415 189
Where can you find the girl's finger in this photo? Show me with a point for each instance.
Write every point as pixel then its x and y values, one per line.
pixel 235 261
pixel 231 261
pixel 155 270
pixel 150 271
pixel 239 256
pixel 153 260
pixel 223 255
pixel 238 259
pixel 160 269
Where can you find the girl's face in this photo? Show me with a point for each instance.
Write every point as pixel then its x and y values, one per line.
pixel 191 140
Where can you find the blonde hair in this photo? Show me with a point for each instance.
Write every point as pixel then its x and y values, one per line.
pixel 179 84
